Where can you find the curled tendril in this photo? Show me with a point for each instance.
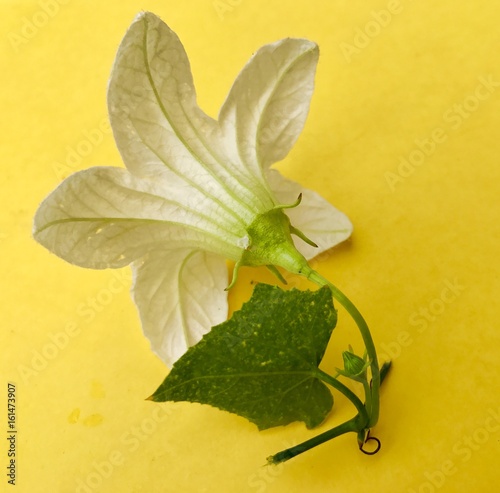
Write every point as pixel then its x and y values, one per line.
pixel 373 439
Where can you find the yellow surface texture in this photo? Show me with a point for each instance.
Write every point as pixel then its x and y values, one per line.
pixel 403 136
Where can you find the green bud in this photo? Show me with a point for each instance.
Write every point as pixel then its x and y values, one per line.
pixel 354 366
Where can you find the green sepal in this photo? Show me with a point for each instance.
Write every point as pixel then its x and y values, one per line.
pixel 277 273
pixel 302 236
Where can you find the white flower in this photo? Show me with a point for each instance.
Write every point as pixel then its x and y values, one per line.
pixel 195 189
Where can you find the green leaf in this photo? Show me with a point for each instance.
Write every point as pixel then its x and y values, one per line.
pixel 261 364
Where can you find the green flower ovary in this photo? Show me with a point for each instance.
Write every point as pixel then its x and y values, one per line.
pixel 270 243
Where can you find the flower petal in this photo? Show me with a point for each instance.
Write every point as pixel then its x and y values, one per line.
pixel 180 296
pixel 269 101
pixel 314 216
pixel 105 217
pixel 159 128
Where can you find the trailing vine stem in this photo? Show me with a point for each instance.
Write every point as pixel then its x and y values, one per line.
pixel 372 391
pixel 368 412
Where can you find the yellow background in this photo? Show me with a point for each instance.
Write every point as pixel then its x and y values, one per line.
pixel 422 265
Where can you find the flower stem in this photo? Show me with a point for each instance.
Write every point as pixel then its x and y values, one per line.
pixel 368 397
pixel 287 454
pixel 363 415
pixel 372 396
pixel 368 412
